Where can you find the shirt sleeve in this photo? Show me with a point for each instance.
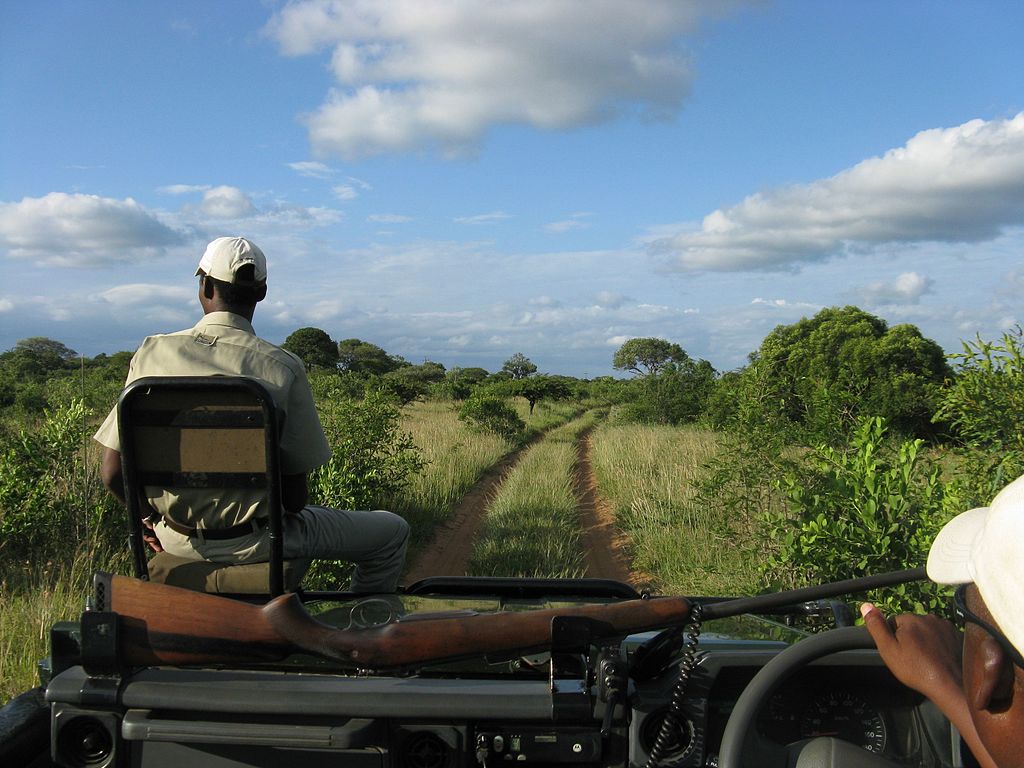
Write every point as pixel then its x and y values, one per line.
pixel 303 443
pixel 108 435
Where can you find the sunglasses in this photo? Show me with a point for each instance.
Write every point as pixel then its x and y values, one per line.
pixel 964 614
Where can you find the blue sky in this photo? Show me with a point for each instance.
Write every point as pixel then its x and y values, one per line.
pixel 460 181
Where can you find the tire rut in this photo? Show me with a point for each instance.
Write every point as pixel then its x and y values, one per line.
pixel 451 546
pixel 605 546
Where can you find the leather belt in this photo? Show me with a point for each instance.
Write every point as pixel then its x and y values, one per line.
pixel 217 534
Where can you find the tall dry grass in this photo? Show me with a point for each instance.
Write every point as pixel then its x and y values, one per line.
pixel 650 474
pixel 32 599
pixel 456 457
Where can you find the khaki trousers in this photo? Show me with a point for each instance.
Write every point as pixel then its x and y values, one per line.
pixel 375 541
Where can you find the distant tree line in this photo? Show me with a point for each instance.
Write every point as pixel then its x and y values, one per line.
pixel 814 379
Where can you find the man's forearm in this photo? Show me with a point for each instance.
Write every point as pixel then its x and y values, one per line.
pixel 111 473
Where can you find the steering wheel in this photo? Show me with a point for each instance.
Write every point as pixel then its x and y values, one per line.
pixel 740 731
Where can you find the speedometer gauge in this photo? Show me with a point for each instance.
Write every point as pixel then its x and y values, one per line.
pixel 845 716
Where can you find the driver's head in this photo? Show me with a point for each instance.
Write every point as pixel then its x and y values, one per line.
pixel 232 275
pixel 982 548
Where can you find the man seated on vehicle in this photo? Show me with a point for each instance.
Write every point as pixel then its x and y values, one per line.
pixel 977 678
pixel 232 280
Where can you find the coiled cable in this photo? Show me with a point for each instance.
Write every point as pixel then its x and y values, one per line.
pixel 673 721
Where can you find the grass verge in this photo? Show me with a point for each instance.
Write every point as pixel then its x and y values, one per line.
pixel 34 597
pixel 649 475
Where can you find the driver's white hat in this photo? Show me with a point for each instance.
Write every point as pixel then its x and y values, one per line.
pixel 225 255
pixel 986 546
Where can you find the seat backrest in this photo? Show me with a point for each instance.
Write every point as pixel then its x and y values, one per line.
pixel 216 432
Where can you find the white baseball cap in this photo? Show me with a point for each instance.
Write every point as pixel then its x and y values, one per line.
pixel 225 255
pixel 986 546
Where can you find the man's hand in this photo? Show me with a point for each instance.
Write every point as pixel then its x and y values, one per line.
pixel 923 652
pixel 149 535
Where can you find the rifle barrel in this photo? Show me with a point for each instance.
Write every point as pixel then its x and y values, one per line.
pixel 806 594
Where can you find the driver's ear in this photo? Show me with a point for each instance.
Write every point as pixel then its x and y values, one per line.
pixel 994 676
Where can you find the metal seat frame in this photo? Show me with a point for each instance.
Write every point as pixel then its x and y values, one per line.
pixel 154 413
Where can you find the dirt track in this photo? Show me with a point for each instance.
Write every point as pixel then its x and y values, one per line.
pixel 605 545
pixel 449 551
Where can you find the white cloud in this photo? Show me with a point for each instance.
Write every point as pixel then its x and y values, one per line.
pixel 312 169
pixel 183 189
pixel 545 302
pixel 483 218
pixel 576 221
pixel 83 230
pixel 389 218
pixel 284 214
pixel 412 74
pixel 227 203
pixel 147 293
pixel 961 184
pixel 907 288
pixel 351 189
pixel 802 306
pixel 610 299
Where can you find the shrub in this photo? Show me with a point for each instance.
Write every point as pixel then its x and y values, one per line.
pixel 984 405
pixel 493 414
pixel 870 508
pixel 371 459
pixel 50 497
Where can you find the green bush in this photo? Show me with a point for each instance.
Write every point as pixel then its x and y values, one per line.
pixel 51 500
pixel 371 461
pixel 870 508
pixel 826 373
pixel 493 414
pixel 984 406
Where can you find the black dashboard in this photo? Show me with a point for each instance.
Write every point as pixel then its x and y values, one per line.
pixel 584 704
pixel 850 696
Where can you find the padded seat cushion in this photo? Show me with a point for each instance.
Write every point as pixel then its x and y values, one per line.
pixel 222 578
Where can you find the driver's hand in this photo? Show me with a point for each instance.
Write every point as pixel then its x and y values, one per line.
pixel 149 535
pixel 922 651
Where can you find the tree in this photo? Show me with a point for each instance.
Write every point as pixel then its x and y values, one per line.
pixel 412 381
pixel 519 366
pixel 827 372
pixel 36 358
pixel 458 383
pixel 677 394
pixel 361 356
pixel 537 388
pixel 489 412
pixel 647 356
pixel 314 346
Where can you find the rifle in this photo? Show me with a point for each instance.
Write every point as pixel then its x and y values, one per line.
pixel 160 624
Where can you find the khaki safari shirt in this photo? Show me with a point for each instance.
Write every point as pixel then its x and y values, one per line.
pixel 225 343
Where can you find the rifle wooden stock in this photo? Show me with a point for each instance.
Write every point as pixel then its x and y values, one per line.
pixel 166 625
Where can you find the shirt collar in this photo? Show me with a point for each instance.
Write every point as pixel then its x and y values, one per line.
pixel 225 319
